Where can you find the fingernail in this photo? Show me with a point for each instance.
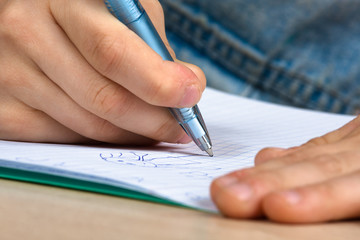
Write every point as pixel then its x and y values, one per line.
pixel 241 191
pixel 292 197
pixel 191 95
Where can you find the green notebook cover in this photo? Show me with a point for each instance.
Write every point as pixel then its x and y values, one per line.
pixel 60 181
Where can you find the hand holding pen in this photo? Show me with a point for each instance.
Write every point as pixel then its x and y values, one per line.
pixel 72 73
pixel 133 15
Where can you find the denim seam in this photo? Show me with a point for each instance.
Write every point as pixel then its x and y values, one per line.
pixel 233 54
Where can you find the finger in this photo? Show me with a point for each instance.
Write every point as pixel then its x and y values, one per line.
pixel 336 135
pixel 283 157
pixel 120 55
pixel 97 94
pixel 249 191
pixel 267 154
pixel 19 122
pixel 304 153
pixel 347 130
pixel 198 72
pixel 156 14
pixel 32 87
pixel 335 199
pixel 274 158
pixel 354 127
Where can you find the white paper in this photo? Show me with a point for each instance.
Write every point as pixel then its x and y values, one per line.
pixel 238 127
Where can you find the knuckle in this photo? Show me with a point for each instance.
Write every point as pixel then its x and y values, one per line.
pixel 109 101
pixel 9 17
pixel 101 130
pixel 168 93
pixel 14 25
pixel 109 53
pixel 317 141
pixel 11 79
pixel 330 165
pixel 161 93
pixel 263 153
pixel 293 157
pixel 167 131
pixel 156 92
pixel 265 182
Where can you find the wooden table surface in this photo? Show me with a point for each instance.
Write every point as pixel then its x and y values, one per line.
pixel 31 211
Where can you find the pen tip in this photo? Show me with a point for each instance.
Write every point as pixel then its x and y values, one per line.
pixel 210 152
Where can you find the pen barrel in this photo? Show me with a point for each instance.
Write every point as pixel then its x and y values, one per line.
pixel 127 11
pixel 144 28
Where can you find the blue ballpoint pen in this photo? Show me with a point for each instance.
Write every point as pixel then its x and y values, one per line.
pixel 133 15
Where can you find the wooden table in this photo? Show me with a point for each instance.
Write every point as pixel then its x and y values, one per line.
pixel 30 211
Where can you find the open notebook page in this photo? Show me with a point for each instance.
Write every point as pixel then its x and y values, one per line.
pixel 239 128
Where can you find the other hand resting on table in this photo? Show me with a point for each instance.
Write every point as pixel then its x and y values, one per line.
pixel 316 182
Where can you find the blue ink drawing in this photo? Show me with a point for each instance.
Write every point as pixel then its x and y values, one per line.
pixel 171 160
pixel 146 160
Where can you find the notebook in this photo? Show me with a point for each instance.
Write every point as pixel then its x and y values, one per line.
pixel 170 173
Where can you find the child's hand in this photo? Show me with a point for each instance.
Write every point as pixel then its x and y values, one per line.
pixel 318 181
pixel 71 72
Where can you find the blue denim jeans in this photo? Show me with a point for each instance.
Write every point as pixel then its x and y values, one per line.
pixel 304 53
